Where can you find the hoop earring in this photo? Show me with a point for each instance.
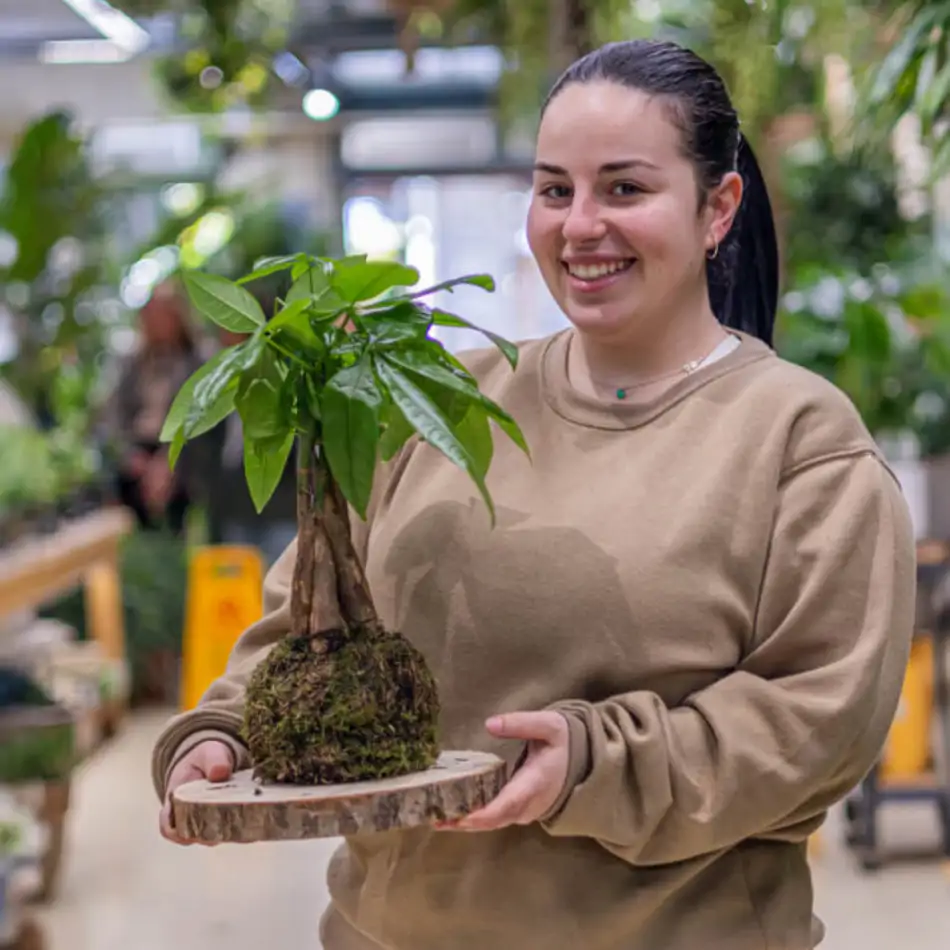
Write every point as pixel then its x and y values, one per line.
pixel 714 254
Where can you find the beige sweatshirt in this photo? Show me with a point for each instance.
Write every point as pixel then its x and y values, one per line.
pixel 717 591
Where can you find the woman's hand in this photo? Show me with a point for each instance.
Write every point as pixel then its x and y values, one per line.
pixel 211 760
pixel 536 786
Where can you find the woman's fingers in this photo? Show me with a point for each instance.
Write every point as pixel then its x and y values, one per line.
pixel 211 760
pixel 512 806
pixel 215 761
pixel 544 726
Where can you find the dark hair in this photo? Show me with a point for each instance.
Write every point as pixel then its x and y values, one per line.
pixel 743 276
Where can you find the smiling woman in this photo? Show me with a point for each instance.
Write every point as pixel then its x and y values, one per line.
pixel 687 631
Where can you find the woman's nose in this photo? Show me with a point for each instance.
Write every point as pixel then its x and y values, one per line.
pixel 584 222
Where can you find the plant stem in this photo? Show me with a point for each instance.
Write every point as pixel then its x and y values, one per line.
pixel 314 601
pixel 284 352
pixel 355 597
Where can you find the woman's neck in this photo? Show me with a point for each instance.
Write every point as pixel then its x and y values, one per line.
pixel 597 366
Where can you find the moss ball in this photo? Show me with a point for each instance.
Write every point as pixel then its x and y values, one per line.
pixel 341 707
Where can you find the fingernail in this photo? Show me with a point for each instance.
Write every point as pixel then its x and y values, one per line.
pixel 494 723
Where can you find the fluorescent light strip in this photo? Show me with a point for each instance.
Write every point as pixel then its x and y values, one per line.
pixel 114 25
pixel 71 52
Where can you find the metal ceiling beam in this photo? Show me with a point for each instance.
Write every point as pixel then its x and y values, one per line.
pixel 405 99
pixel 339 32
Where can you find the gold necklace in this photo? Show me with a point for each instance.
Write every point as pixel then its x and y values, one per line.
pixel 684 370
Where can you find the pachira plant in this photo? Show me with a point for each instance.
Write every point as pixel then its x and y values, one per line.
pixel 345 369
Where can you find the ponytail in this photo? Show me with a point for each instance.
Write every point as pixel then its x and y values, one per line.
pixel 744 277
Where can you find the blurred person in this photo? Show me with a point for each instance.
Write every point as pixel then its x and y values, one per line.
pixel 148 383
pixel 688 632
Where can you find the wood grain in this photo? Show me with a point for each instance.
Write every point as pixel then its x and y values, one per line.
pixel 246 810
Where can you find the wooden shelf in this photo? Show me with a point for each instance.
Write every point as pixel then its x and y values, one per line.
pixel 84 552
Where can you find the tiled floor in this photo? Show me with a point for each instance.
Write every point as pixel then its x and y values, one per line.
pixel 124 888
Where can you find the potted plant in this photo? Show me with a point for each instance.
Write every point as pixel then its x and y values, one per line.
pixel 346 370
pixel 36 734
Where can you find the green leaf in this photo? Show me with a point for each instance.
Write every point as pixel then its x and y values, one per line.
pixel 262 399
pixel 350 431
pixel 224 302
pixel 292 314
pixel 442 318
pixel 421 364
pixel 220 409
pixel 900 58
pixel 485 281
pixel 210 402
pixel 313 285
pixel 405 322
pixel 941 161
pixel 259 405
pixel 178 443
pixel 271 265
pixel 178 411
pixel 298 320
pixel 424 416
pixel 366 280
pixel 396 432
pixel 936 96
pixel 474 433
pixel 264 464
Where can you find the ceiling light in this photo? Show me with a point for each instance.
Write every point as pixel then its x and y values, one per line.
pixel 69 52
pixel 321 105
pixel 112 24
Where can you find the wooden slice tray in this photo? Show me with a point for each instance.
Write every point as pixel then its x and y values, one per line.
pixel 247 810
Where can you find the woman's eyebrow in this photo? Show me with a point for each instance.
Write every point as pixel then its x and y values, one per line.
pixel 618 166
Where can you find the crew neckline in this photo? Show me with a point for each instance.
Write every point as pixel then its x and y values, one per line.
pixel 589 411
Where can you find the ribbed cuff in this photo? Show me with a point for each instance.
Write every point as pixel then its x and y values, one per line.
pixel 578 760
pixel 184 732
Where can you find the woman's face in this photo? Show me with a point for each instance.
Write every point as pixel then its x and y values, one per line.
pixel 615 221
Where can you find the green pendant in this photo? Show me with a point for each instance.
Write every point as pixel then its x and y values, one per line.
pixel 621 393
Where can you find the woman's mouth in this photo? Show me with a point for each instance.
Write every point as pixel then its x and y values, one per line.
pixel 596 276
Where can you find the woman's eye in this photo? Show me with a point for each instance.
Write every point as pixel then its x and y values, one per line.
pixel 556 192
pixel 626 189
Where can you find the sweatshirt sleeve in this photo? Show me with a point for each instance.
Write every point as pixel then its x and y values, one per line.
pixel 764 751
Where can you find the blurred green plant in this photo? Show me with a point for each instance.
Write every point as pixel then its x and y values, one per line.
pixel 43 468
pixel 883 339
pixel 867 300
pixel 913 76
pixel 55 271
pixel 841 209
pixel 228 46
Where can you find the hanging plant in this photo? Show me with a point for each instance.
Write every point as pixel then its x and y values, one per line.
pixel 228 49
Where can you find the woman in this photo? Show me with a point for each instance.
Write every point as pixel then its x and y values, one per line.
pixel 147 385
pixel 689 629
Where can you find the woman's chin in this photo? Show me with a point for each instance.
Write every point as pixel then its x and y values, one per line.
pixel 604 320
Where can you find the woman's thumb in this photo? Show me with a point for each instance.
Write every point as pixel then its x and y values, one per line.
pixel 217 763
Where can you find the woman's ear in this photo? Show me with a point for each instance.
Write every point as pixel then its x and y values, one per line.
pixel 722 207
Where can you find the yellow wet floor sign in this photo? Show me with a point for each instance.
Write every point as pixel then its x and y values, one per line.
pixel 225 596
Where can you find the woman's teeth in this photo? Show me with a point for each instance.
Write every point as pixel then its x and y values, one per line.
pixel 596 271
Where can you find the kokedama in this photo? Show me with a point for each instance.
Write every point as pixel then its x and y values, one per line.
pixel 345 369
